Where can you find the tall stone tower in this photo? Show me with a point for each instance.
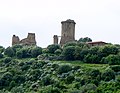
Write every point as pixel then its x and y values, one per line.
pixel 31 38
pixel 68 31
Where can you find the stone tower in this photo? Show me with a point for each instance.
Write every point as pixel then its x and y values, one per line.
pixel 30 40
pixel 15 40
pixel 68 31
pixel 55 39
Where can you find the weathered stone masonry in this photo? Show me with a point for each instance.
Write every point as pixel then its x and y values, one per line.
pixel 67 33
pixel 30 40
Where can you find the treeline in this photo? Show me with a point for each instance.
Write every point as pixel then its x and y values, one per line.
pixel 106 54
pixel 32 69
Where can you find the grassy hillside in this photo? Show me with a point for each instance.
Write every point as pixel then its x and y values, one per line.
pixel 37 76
pixel 74 68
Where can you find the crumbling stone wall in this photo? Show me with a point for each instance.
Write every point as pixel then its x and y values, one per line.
pixel 30 40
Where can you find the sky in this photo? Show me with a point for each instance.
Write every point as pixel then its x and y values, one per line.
pixel 97 19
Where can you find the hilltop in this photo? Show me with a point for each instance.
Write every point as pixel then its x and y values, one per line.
pixel 75 67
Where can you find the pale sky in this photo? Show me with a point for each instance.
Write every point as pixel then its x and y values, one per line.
pixel 97 19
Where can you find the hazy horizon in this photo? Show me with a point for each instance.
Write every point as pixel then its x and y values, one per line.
pixel 97 19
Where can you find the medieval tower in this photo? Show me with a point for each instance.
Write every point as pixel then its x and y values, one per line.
pixel 15 40
pixel 68 31
pixel 30 40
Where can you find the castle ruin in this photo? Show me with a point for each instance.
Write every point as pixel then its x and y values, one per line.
pixel 30 40
pixel 67 32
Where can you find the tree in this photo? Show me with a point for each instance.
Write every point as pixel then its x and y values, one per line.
pixel 2 49
pixel 9 52
pixel 24 52
pixel 77 52
pixel 90 58
pixel 64 69
pixel 52 48
pixel 70 44
pixel 68 53
pixel 107 50
pixel 86 39
pixel 108 75
pixel 111 59
pixel 35 51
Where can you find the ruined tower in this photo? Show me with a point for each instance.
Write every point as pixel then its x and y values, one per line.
pixel 30 40
pixel 15 40
pixel 68 31
pixel 55 39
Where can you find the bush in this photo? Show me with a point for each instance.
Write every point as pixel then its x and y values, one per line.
pixel 108 87
pixel 35 51
pixel 2 49
pixel 1 55
pixel 86 39
pixel 112 60
pixel 6 79
pixel 7 59
pixel 64 69
pixel 107 50
pixel 94 73
pixel 69 53
pixel 47 80
pixel 70 79
pixel 9 52
pixel 23 53
pixel 116 68
pixel 58 52
pixel 52 48
pixel 50 89
pixel 70 44
pixel 89 88
pixel 91 58
pixel 108 75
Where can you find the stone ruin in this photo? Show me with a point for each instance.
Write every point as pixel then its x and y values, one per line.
pixel 30 40
pixel 67 33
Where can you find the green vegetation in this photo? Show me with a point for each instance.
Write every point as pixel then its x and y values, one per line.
pixel 74 68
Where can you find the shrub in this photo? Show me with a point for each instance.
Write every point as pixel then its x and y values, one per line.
pixel 52 48
pixel 70 44
pixel 89 88
pixel 70 79
pixel 7 59
pixel 116 68
pixel 94 73
pixel 91 58
pixel 112 59
pixel 86 39
pixel 108 75
pixel 64 69
pixel 47 80
pixel 58 51
pixel 1 55
pixel 36 51
pixel 9 52
pixel 68 53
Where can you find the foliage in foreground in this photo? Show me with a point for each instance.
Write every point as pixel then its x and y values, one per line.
pixel 33 75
